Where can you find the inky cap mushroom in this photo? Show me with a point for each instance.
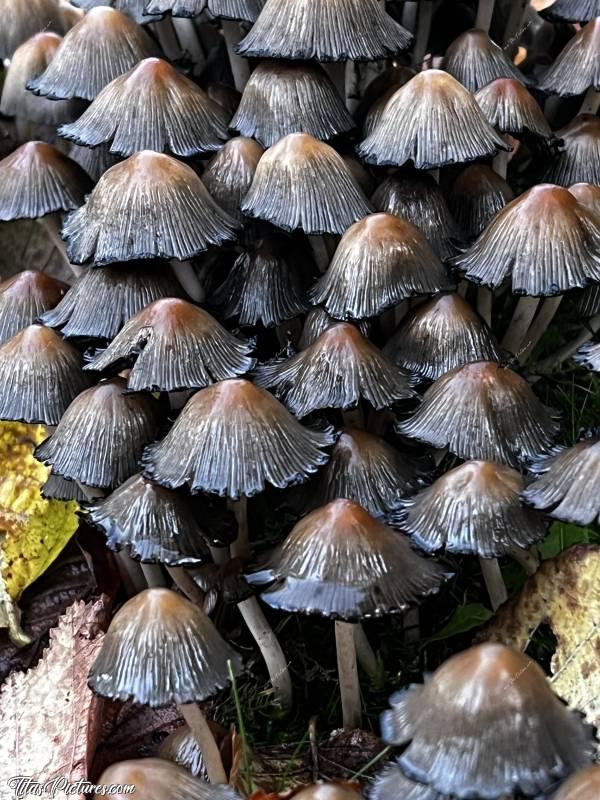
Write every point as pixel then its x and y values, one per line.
pixel 572 10
pixel 508 106
pixel 578 159
pixel 588 195
pixel 247 10
pixel 24 297
pixel 477 195
pixel 22 19
pixel 391 783
pixel 136 9
pixel 181 748
pixel 328 791
pixel 588 356
pixel 475 60
pixel 577 67
pixel 230 172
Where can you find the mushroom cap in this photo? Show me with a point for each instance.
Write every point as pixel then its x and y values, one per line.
pixel 95 161
pixel 57 488
pixel 328 791
pixel 22 19
pixel 316 322
pixel 577 67
pixel 136 9
pixel 101 435
pixel 418 198
pixel 160 649
pixel 474 508
pixel 509 107
pixel 151 107
pixel 588 195
pixel 439 335
pixel 104 45
pixel 391 783
pixel 40 374
pixel 572 10
pixel 303 183
pixel 477 195
pixel 151 523
pixel 37 179
pixel 324 30
pixel 584 784
pixel 483 411
pixel 24 297
pixel 475 60
pixel 342 563
pixel 568 486
pixel 578 159
pixel 283 97
pixel 181 747
pixel 545 240
pixel 150 206
pixel 336 371
pixel 588 356
pixel 589 302
pixel 380 261
pixel 375 112
pixel 480 697
pixel 229 174
pixel 432 121
pixel 247 10
pixel 232 439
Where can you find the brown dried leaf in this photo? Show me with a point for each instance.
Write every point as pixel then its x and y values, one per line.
pixel 564 594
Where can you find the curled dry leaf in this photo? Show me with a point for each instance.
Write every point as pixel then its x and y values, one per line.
pixel 565 595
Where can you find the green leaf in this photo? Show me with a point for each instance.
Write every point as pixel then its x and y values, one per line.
pixel 563 535
pixel 464 619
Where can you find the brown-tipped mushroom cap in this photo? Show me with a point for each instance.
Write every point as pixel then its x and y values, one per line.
pixel 475 60
pixel 588 356
pixel 568 486
pixel 544 240
pixel 440 335
pixel 151 107
pixel 380 261
pixel 477 195
pixel 136 9
pixel 160 649
pixel 22 19
pixel 480 697
pixel 150 206
pixel 578 160
pixel 336 371
pixel 24 297
pixel 40 374
pixel 326 30
pixel 230 172
pixel 104 45
pixel 328 791
pixel 247 10
pixel 37 179
pixel 375 112
pixel 175 345
pixel 101 435
pixel 483 411
pixel 232 439
pixel 290 97
pixel 474 508
pixel 342 563
pixel 577 66
pixel 303 183
pixel 316 322
pixel 508 106
pixel 583 785
pixel 588 195
pixel 432 121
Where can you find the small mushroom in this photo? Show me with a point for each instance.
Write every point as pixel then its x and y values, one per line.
pixel 136 9
pixel 572 10
pixel 57 488
pixel 475 60
pixel 477 195
pixel 577 67
pixel 588 195
pixel 583 785
pixel 508 106
pixel 230 172
pixel 328 791
pixel 578 159
pixel 22 19
pixel 247 10
pixel 24 298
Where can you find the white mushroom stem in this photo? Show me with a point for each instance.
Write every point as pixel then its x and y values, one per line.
pixel 348 675
pixel 53 226
pixel 239 66
pixel 185 31
pixel 484 304
pixel 187 585
pixel 364 652
pixel 490 569
pixel 554 361
pixel 520 324
pixel 270 649
pixel 241 547
pixel 526 559
pixel 591 102
pixel 423 32
pixel 153 576
pixel 539 326
pixel 165 33
pixel 213 763
pixel 186 275
pixel 485 13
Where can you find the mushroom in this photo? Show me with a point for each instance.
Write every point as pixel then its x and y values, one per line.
pixel 577 68
pixel 375 113
pixel 588 356
pixel 578 159
pixel 392 77
pixel 572 10
pixel 340 562
pixel 136 9
pixel 483 411
pixel 22 19
pixel 328 791
pixel 24 298
pixel 247 10
pixel 57 488
pixel 584 784
pixel 160 649
pixel 93 161
pixel 181 748
pixel 588 195
pixel 71 15
pixel 391 783
pixel 481 697
pixel 477 195
pixel 475 60
pixel 509 107
pixel 230 172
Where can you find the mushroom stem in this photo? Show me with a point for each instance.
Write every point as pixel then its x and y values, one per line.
pixel 539 326
pixel 364 652
pixel 500 163
pixel 185 31
pixel 320 252
pixel 131 574
pixel 213 763
pixel 165 33
pixel 515 23
pixel 186 275
pixel 591 102
pixel 153 575
pixel 220 555
pixel 526 559
pixel 490 569
pixel 410 11
pixel 270 649
pixel 549 364
pixel 484 304
pixel 53 225
pixel 241 547
pixel 348 675
pixel 239 66
pixel 423 32
pixel 187 585
pixel 485 13
pixel 519 324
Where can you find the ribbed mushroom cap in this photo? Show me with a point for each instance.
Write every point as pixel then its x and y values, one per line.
pixel 101 435
pixel 57 488
pixel 578 160
pixel 475 60
pixel 326 30
pixel 303 183
pixel 328 791
pixel 150 206
pixel 317 321
pixel 151 107
pixel 477 195
pixel 544 240
pixel 230 172
pixel 136 9
pixel 391 783
pixel 418 198
pixel 71 15
pixel 583 785
pixel 432 121
pixel 22 19
pixel 104 45
pixel 174 345
pixel 440 335
pixel 481 698
pixel 342 563
pixel 283 97
pixel 588 356
pixel 24 297
pixel 37 179
pixel 247 10
pixel 151 523
pixel 181 747
pixel 160 649
pixel 232 439
pixel 40 374
pixel 474 508
pixel 29 61
pixel 379 262
pixel 588 195
pixel 589 302
pixel 508 106
pixel 483 411
pixel 336 371
pixel 95 161
pixel 577 66
pixel 265 285
pixel 572 10
pixel 118 292
pixel 569 484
